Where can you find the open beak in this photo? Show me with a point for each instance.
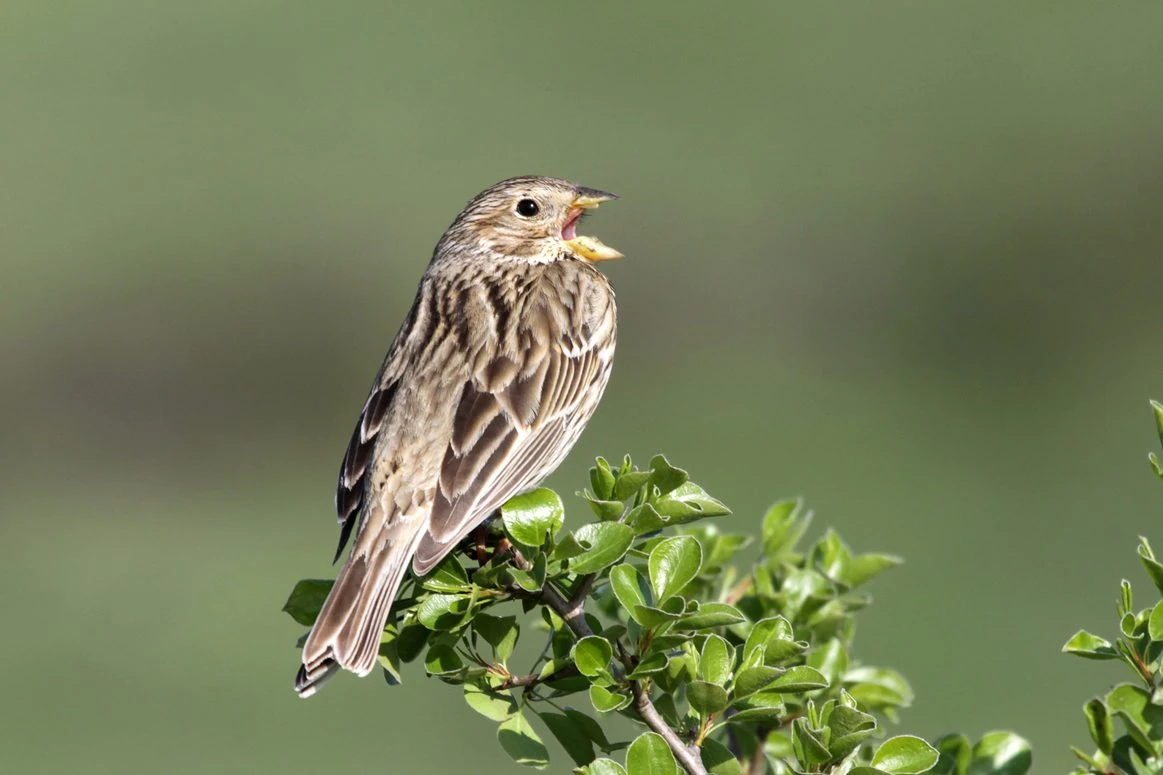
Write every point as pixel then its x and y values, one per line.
pixel 589 248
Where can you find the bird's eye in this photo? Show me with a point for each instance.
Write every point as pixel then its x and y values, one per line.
pixel 527 208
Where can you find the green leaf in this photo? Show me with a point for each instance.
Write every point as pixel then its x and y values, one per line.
pixel 766 631
pixel 496 706
pixel 761 708
pixel 1157 410
pixel 572 738
pixel 905 755
pixel 533 517
pixel 800 678
pixel 651 617
pixel 500 632
pixel 752 679
pixel 689 502
pixel 864 567
pixel 630 483
pixel 850 727
pixel 389 654
pixel 1084 644
pixel 673 563
pixel 709 616
pixel 1001 753
pixel 306 599
pixel 717 660
pixel 718 759
pixel 605 767
pixel 831 659
pixel 602 479
pixel 808 748
pixel 603 544
pixel 448 576
pixel 624 582
pixel 653 663
pixel 1098 720
pixel 411 640
pixel 442 660
pixel 442 612
pixel 605 510
pixel 605 700
pixel 1155 622
pixel 666 477
pixel 592 655
pixel 522 743
pixel 592 728
pixel 650 755
pixel 1154 569
pixel 956 753
pixel 706 698
pixel 879 687
pixel 644 519
pixel 783 526
pixel 1133 706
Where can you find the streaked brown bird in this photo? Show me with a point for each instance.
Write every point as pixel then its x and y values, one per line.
pixel 489 382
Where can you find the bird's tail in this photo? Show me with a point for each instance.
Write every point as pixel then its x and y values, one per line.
pixel 347 632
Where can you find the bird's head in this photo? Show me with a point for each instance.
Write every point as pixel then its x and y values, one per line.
pixel 530 218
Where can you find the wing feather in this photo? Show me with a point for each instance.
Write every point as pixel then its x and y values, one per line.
pixel 517 417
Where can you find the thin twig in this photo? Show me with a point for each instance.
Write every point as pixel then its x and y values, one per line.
pixel 531 680
pixel 573 613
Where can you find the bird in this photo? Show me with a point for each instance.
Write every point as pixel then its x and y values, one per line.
pixel 489 382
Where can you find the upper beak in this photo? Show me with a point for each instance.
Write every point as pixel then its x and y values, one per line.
pixel 592 197
pixel 591 248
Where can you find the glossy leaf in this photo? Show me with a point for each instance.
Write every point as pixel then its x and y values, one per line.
pixel 306 599
pixel 572 738
pixel 496 706
pixel 624 580
pixel 666 477
pixel 605 767
pixel 718 759
pixel 500 632
pixel 1084 644
pixel 592 655
pixel 688 502
pixel 1098 721
pixel 602 479
pixel 522 743
pixel 1150 564
pixel 532 518
pixel 606 701
pixel 706 698
pixel 672 564
pixel 717 660
pixel 603 544
pixel 710 616
pixel 650 755
pixel 783 526
pixel 1001 753
pixel 905 755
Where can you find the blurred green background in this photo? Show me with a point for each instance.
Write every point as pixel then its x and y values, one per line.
pixel 900 258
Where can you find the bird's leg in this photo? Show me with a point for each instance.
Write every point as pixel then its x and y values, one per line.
pixel 481 537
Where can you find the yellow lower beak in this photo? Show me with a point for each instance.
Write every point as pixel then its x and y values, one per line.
pixel 592 249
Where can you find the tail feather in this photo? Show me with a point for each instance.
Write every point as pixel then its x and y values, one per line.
pixel 347 631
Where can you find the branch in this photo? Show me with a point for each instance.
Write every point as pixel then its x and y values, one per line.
pixel 573 613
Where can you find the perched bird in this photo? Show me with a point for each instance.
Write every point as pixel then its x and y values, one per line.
pixel 489 382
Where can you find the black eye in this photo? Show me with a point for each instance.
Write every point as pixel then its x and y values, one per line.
pixel 527 208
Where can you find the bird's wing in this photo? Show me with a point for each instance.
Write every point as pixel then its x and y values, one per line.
pixel 517 417
pixel 352 484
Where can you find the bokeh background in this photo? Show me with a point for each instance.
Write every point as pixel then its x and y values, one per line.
pixel 900 258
